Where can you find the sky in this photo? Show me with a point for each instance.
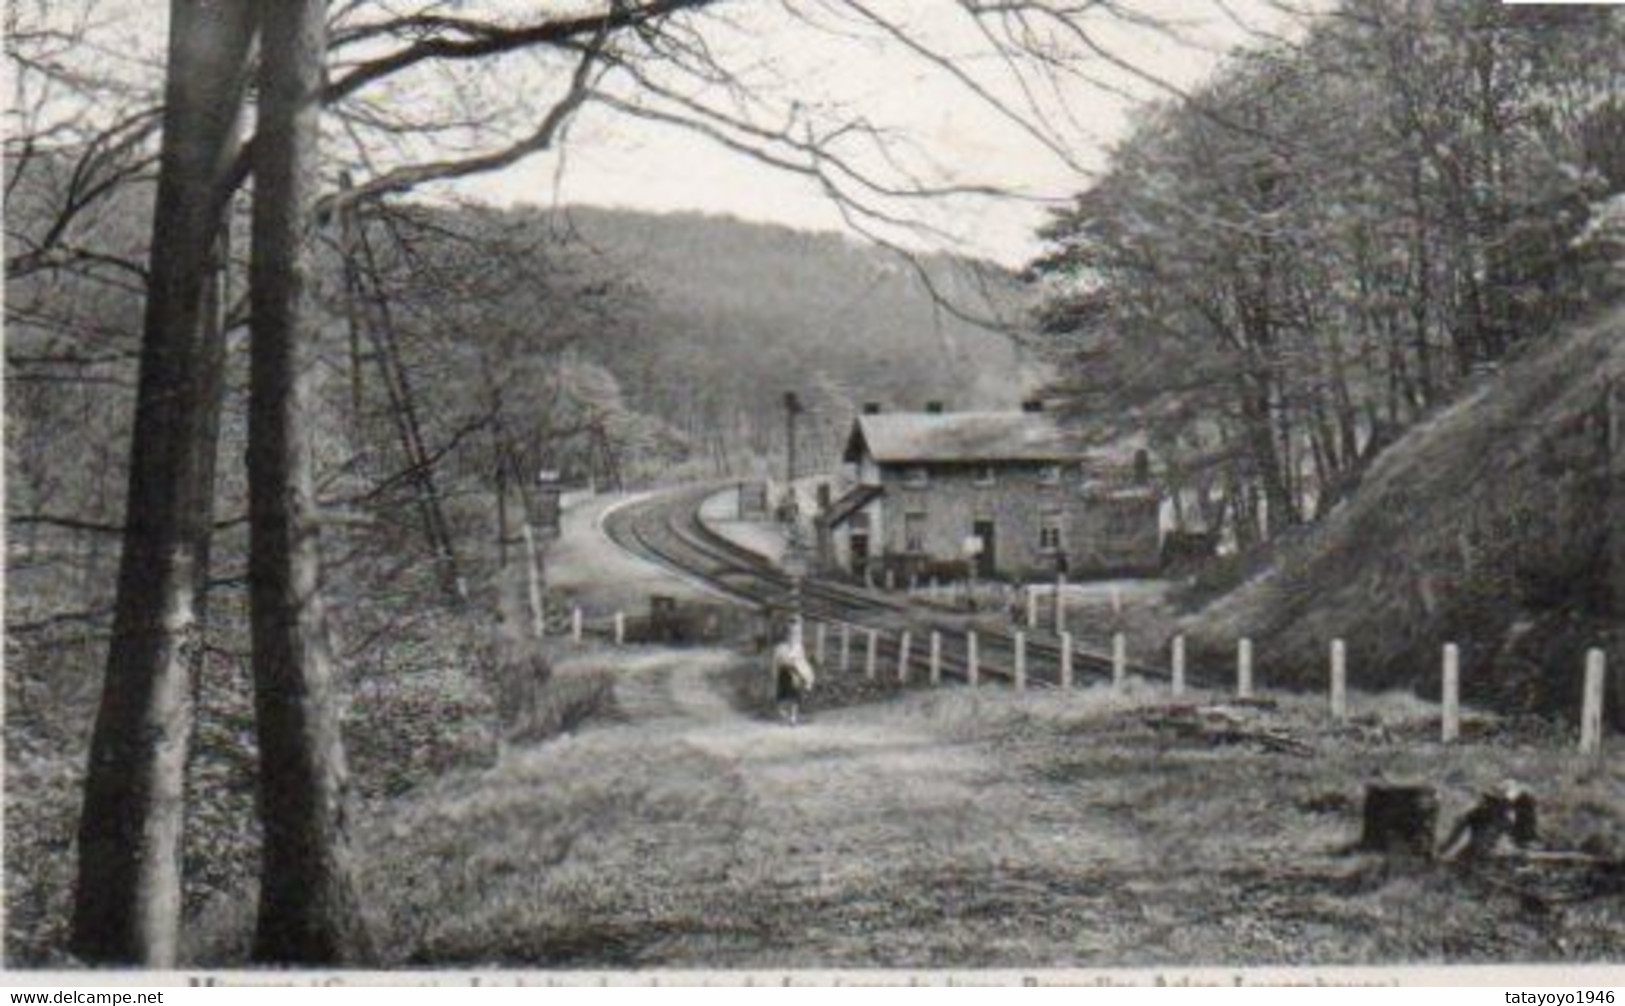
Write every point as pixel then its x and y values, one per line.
pixel 976 118
pixel 950 132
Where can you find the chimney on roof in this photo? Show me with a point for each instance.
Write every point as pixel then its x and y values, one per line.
pixel 935 408
pixel 1032 405
pixel 871 408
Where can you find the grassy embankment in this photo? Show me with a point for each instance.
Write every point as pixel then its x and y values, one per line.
pixel 1488 525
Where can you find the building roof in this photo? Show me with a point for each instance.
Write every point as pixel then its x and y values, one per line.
pixel 901 437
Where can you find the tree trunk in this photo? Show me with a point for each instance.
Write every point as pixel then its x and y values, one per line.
pixel 127 901
pixel 1421 293
pixel 1257 404
pixel 309 910
pixel 504 532
pixel 1399 820
pixel 212 391
pixel 1322 451
pixel 535 583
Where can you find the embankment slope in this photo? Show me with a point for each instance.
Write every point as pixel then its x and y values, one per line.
pixel 1488 525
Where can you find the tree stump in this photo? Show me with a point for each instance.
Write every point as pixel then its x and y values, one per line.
pixel 1399 820
pixel 1525 820
pixel 1500 822
pixel 665 625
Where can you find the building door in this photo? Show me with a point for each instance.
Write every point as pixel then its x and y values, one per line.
pixel 860 555
pixel 986 561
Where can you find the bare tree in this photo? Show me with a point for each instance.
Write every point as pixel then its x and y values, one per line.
pixel 309 910
pixel 127 908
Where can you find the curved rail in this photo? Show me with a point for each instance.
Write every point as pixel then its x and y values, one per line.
pixel 667 529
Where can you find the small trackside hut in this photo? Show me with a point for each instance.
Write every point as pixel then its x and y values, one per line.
pixel 999 495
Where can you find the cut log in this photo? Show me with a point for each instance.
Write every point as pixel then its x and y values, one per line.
pixel 1223 725
pixel 1399 820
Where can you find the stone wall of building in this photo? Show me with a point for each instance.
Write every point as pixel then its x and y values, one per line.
pixel 1102 528
pixel 954 497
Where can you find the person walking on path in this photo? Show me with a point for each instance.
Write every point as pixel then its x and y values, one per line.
pixel 792 674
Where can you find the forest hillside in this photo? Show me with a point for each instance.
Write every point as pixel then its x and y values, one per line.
pixel 732 314
pixel 1487 525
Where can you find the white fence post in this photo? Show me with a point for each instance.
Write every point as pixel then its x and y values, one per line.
pixel 846 646
pixel 1244 669
pixel 1032 607
pixel 1119 661
pixel 972 669
pixel 1066 660
pixel 818 643
pixel 620 628
pixel 872 655
pixel 1450 717
pixel 533 584
pixel 1340 681
pixel 1060 603
pixel 902 657
pixel 936 658
pixel 1021 659
pixel 1117 599
pixel 1179 666
pixel 575 624
pixel 1591 709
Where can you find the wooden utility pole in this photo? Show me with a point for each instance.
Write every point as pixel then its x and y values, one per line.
pixel 1614 514
pixel 792 409
pixel 354 315
pixel 378 325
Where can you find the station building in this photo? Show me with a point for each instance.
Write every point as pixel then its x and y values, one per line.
pixel 999 495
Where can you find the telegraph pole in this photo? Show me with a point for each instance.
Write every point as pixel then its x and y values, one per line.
pixel 795 560
pixel 792 409
pixel 1614 515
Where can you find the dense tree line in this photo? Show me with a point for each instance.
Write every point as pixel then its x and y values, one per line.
pixel 1334 237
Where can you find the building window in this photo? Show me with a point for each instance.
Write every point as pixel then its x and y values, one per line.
pixel 1049 531
pixel 914 532
pixel 986 475
pixel 1050 475
pixel 918 475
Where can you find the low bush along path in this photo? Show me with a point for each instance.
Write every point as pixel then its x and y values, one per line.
pixel 939 829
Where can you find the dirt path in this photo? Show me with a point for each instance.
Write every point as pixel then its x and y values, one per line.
pixel 830 794
pixel 694 834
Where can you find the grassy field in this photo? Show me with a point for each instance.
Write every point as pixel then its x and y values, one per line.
pixel 969 829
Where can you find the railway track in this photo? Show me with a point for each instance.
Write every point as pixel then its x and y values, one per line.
pixel 667 529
